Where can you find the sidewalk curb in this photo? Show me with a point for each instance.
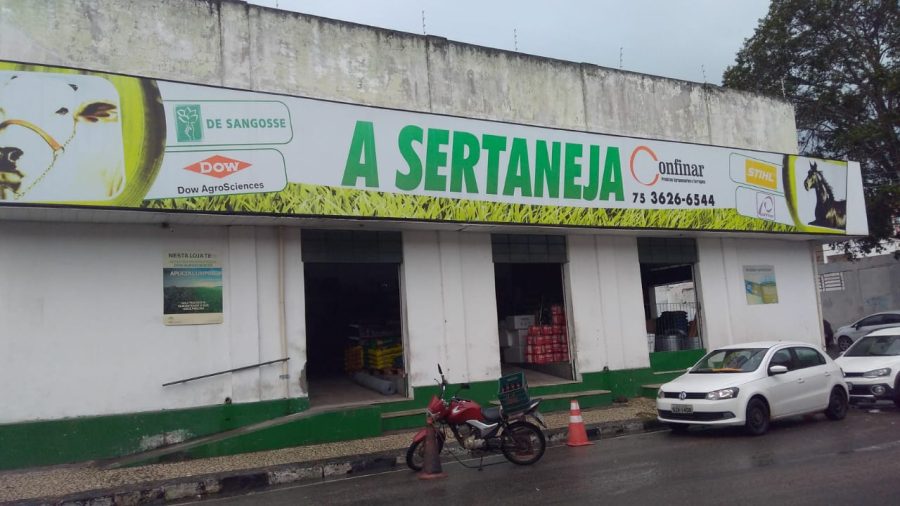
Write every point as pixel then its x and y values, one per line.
pixel 246 480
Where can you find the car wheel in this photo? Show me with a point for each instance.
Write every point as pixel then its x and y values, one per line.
pixel 844 342
pixel 837 404
pixel 897 392
pixel 757 417
pixel 678 428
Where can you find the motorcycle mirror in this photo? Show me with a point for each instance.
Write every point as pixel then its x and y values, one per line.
pixel 439 369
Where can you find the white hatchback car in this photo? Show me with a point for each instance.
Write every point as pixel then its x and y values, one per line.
pixel 752 383
pixel 871 367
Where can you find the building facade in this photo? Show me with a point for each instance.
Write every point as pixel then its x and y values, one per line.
pixel 331 286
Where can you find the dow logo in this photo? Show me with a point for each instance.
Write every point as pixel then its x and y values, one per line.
pixel 218 166
pixel 188 123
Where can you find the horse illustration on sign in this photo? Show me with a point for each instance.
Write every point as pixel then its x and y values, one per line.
pixel 830 212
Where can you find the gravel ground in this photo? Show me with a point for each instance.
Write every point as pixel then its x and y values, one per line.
pixel 56 481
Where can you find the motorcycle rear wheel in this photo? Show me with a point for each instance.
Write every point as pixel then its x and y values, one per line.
pixel 523 443
pixel 415 454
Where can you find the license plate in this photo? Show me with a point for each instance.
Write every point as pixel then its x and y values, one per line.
pixel 682 409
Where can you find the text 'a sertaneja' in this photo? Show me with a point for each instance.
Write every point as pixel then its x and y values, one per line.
pixel 513 166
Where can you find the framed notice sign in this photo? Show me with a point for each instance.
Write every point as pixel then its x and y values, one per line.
pixel 760 285
pixel 192 288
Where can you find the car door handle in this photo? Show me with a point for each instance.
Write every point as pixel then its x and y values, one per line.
pixel 801 380
pixel 827 373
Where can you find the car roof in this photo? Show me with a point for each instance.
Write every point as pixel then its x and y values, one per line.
pixel 764 344
pixel 892 311
pixel 889 331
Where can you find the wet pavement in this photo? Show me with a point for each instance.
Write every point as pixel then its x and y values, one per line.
pixel 804 460
pixel 85 478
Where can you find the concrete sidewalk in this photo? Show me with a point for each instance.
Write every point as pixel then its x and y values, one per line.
pixel 90 484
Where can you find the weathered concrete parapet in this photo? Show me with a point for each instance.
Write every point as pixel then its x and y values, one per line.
pixel 235 44
pixel 480 82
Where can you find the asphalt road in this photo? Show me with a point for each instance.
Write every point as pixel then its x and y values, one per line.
pixel 800 461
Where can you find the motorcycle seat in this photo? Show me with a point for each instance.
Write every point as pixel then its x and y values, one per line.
pixel 491 414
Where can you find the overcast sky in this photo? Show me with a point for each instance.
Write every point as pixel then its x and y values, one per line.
pixel 671 38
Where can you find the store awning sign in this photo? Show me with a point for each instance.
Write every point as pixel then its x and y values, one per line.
pixel 80 138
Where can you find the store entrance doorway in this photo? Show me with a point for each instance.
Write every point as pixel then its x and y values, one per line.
pixel 671 304
pixel 531 302
pixel 354 344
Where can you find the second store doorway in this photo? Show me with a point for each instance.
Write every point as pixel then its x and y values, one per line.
pixel 531 302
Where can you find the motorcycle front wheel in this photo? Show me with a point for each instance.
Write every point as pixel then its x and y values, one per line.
pixel 415 454
pixel 523 443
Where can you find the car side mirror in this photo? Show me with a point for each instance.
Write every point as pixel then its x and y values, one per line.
pixel 777 369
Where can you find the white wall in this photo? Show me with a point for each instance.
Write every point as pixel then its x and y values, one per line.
pixel 82 330
pixel 728 317
pixel 451 306
pixel 606 305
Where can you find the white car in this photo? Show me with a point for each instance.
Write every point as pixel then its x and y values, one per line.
pixel 848 334
pixel 871 365
pixel 752 383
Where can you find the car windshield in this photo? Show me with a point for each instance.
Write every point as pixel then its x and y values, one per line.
pixel 875 346
pixel 732 360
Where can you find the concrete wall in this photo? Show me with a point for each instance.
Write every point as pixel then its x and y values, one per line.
pixel 451 306
pixel 82 320
pixel 730 319
pixel 607 309
pixel 230 43
pixel 870 285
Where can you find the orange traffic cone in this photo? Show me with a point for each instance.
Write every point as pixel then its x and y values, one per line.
pixel 577 433
pixel 431 465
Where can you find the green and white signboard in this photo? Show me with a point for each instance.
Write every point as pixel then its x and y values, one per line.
pixel 80 138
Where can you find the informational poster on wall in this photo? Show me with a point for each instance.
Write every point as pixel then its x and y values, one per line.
pixel 80 138
pixel 192 288
pixel 760 284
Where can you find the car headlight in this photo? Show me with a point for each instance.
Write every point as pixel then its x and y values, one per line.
pixel 725 393
pixel 877 373
pixel 660 394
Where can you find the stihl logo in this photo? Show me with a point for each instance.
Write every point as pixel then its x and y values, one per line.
pixel 218 166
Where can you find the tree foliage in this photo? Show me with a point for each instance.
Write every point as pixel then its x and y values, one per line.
pixel 838 63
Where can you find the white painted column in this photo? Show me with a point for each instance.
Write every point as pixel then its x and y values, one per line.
pixel 480 305
pixel 451 307
pixel 241 313
pixel 604 279
pixel 294 311
pixel 269 288
pixel 421 278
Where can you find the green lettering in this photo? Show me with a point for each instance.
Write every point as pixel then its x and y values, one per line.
pixel 612 176
pixel 571 189
pixel 546 169
pixel 518 171
pixel 494 145
pixel 412 179
pixel 593 186
pixel 361 162
pixel 465 155
pixel 435 159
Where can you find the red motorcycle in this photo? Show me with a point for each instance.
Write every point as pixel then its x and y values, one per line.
pixel 480 430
